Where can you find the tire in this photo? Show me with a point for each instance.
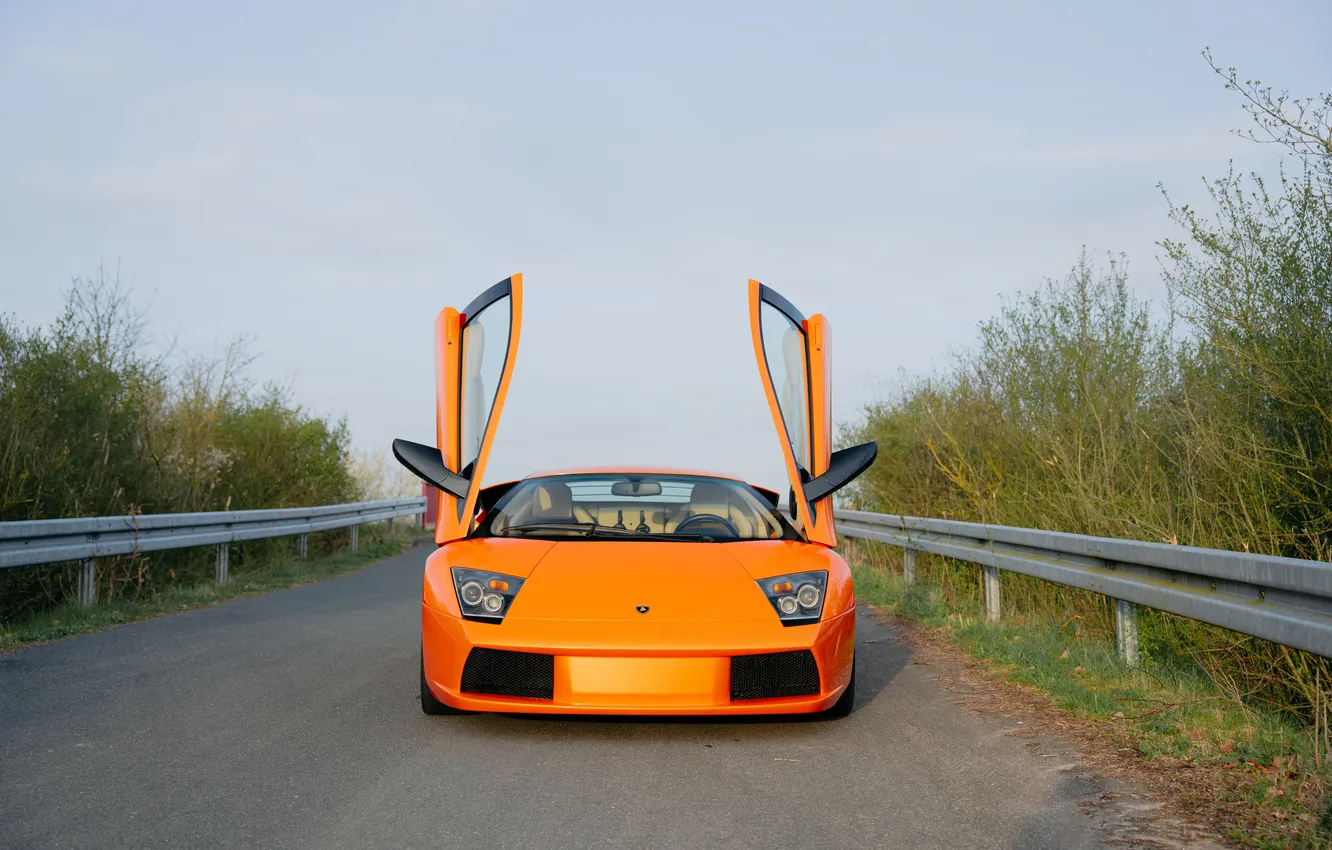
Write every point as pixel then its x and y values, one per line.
pixel 430 705
pixel 842 707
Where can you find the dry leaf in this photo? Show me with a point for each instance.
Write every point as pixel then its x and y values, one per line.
pixel 1063 656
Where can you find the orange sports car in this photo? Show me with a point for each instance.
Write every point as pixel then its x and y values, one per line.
pixel 634 591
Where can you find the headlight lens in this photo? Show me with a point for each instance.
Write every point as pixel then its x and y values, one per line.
pixel 797 598
pixel 471 593
pixel 809 596
pixel 484 596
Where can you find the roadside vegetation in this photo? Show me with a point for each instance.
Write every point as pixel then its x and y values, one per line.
pixel 1207 423
pixel 1253 769
pixel 99 419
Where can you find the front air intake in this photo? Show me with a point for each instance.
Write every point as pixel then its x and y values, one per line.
pixel 509 674
pixel 773 675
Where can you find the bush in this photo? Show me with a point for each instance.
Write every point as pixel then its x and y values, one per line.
pixel 1212 426
pixel 92 424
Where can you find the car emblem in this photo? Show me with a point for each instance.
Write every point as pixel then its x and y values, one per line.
pixel 642 609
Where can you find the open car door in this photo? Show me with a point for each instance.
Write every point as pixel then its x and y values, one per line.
pixel 793 361
pixel 474 355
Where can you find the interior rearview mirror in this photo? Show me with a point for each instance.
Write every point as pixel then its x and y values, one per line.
pixel 635 489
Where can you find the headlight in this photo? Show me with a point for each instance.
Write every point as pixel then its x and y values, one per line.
pixel 484 596
pixel 797 598
pixel 471 593
pixel 809 596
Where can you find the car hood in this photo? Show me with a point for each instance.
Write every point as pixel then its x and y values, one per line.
pixel 611 580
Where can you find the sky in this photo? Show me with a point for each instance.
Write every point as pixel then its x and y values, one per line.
pixel 324 177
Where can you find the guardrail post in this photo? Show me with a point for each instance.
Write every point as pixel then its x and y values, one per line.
pixel 1126 631
pixel 87 582
pixel 301 545
pixel 990 583
pixel 354 536
pixel 223 562
pixel 908 567
pixel 390 525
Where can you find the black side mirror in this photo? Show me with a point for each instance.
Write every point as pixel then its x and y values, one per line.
pixel 844 466
pixel 427 463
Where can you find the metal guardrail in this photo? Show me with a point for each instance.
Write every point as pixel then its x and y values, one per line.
pixel 1285 600
pixel 85 540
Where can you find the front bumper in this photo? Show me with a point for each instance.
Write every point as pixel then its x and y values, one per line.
pixel 633 667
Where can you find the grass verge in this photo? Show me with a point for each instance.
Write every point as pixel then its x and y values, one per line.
pixel 1256 773
pixel 70 619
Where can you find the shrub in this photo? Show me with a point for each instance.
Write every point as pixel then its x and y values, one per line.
pixel 1210 426
pixel 93 424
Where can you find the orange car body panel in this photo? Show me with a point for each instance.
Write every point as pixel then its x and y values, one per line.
pixel 579 604
pixel 447 404
pixel 821 426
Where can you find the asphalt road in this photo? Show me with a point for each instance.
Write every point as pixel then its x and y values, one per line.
pixel 291 720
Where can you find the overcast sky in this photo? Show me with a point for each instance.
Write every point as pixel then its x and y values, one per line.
pixel 324 177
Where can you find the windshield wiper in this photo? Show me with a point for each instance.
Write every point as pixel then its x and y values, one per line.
pixel 588 529
pixel 592 529
pixel 688 535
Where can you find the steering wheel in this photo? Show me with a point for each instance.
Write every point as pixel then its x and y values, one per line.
pixel 708 519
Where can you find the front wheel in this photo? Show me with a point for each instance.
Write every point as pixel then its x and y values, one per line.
pixel 429 704
pixel 842 707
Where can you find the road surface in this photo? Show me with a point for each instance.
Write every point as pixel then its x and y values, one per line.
pixel 291 720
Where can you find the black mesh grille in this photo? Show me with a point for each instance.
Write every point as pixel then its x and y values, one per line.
pixel 509 674
pixel 776 674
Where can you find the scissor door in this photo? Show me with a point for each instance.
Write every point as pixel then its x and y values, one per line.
pixel 474 354
pixel 793 361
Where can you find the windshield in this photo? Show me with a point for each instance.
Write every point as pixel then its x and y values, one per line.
pixel 609 506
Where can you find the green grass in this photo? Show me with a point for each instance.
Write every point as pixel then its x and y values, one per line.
pixel 70 619
pixel 1166 709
